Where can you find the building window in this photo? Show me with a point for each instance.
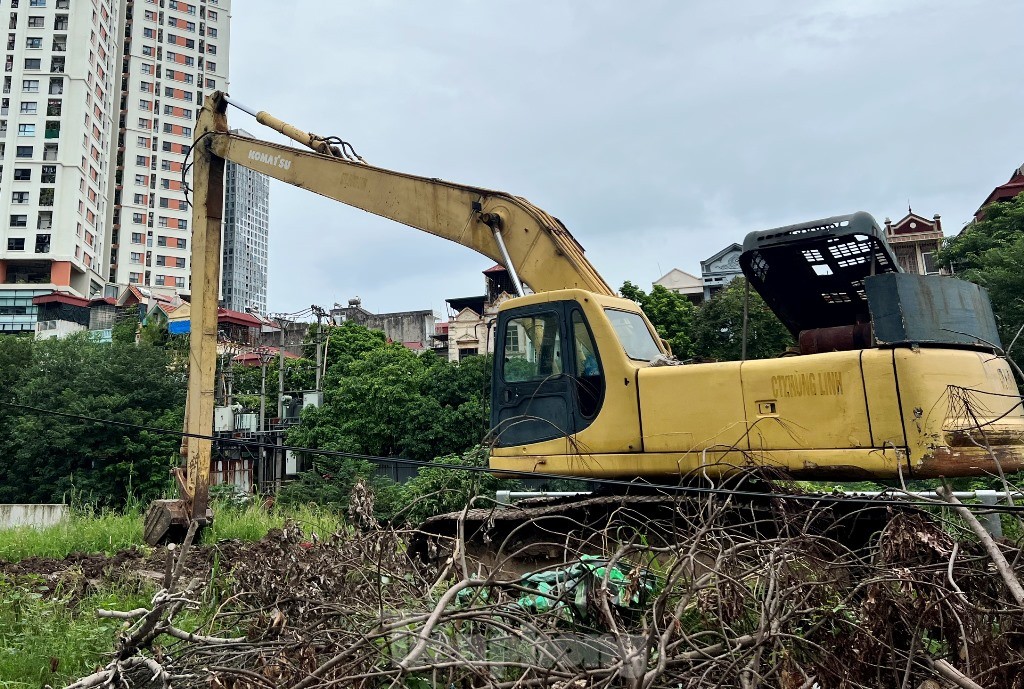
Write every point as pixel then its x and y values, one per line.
pixel 140 180
pixel 29 108
pixel 138 218
pixel 147 68
pixel 211 66
pixel 26 130
pixel 211 32
pixel 34 43
pixel 33 63
pixel 136 238
pixel 139 199
pixel 35 22
pixel 930 267
pixel 161 240
pixel 30 85
pixel 16 244
pixel 37 3
pixel 145 124
pixel 19 197
pixel 179 282
pixel 24 152
pixel 19 221
pixel 147 50
pixel 141 160
pixel 48 175
pixel 212 16
pixel 42 243
pixel 182 224
pixel 135 257
pixel 145 105
pixel 211 84
pixel 22 174
pixel 211 49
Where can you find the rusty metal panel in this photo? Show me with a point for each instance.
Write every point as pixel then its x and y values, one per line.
pixel 930 309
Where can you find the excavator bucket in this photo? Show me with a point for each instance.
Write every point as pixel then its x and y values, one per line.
pixel 167 521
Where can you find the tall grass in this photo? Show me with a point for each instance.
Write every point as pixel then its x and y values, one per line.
pixel 252 522
pixel 85 531
pixel 81 532
pixel 54 639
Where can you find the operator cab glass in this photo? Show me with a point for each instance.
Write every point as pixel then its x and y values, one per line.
pixel 548 380
pixel 634 335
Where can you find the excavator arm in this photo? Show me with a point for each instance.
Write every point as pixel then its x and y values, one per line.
pixel 535 248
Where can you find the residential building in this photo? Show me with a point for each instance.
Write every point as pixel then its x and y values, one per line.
pixel 719 270
pixel 414 329
pixel 246 232
pixel 681 282
pixel 56 125
pixel 175 53
pixel 914 240
pixel 470 329
pixel 1004 192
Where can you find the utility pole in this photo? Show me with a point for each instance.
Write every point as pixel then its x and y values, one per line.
pixel 278 472
pixel 265 356
pixel 320 315
pixel 280 366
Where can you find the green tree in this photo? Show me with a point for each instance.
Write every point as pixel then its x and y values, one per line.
pixel 47 457
pixel 670 313
pixel 386 401
pixel 990 252
pixel 718 327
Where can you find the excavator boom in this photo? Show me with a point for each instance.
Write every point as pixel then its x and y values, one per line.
pixel 534 246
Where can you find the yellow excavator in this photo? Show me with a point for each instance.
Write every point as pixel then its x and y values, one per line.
pixel 897 375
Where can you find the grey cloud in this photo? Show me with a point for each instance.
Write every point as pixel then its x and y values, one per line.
pixel 657 132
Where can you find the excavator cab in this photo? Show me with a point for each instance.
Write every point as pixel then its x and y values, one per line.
pixel 559 360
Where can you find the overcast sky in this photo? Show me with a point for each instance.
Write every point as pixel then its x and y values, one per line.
pixel 658 132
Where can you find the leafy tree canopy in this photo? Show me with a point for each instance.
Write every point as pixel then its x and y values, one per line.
pixel 713 330
pixel 48 458
pixel 990 252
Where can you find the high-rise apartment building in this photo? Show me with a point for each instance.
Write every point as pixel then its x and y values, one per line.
pixel 99 101
pixel 175 53
pixel 56 125
pixel 246 224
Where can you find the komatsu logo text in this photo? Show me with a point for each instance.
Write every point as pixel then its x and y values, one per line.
pixel 808 384
pixel 267 159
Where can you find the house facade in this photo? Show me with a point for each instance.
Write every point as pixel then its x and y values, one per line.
pixel 915 240
pixel 681 282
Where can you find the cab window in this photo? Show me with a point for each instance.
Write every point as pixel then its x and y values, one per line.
pixel 632 331
pixel 588 379
pixel 533 348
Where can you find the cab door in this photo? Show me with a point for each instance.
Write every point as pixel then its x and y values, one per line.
pixel 532 395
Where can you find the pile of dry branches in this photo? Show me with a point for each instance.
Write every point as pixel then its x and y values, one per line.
pixel 729 603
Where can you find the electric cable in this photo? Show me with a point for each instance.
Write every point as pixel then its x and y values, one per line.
pixel 697 490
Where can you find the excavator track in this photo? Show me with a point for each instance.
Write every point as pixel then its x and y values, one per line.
pixel 543 532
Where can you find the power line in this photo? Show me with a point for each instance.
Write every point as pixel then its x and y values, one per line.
pixel 695 490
